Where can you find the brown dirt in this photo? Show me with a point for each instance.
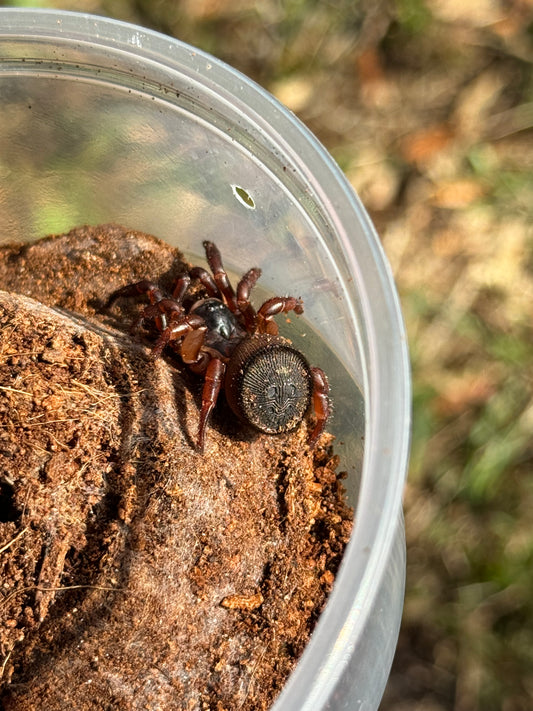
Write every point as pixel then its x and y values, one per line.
pixel 137 573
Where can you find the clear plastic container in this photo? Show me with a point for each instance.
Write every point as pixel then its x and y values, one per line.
pixel 101 121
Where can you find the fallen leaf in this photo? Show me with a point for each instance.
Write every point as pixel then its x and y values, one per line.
pixel 456 194
pixel 421 146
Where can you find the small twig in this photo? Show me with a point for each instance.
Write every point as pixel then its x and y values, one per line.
pixel 5 356
pixel 52 422
pixel 14 390
pixel 100 396
pixel 4 663
pixel 13 540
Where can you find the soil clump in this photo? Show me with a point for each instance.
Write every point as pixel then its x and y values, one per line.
pixel 137 573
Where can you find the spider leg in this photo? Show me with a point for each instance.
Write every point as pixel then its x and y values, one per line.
pixel 161 311
pixel 320 403
pixel 274 306
pixel 180 287
pixel 214 375
pixel 154 293
pixel 141 287
pixel 178 327
pixel 148 312
pixel 206 280
pixel 244 287
pixel 220 276
pixel 246 284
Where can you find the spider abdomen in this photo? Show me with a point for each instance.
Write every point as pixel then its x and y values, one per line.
pixel 268 383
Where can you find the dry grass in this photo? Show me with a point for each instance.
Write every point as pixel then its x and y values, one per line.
pixel 427 105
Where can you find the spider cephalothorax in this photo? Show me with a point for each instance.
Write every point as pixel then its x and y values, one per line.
pixel 268 383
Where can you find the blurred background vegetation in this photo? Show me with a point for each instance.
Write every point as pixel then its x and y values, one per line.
pixel 427 105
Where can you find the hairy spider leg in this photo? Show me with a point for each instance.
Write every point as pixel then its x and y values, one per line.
pixel 244 287
pixel 274 306
pixel 320 403
pixel 220 276
pixel 214 376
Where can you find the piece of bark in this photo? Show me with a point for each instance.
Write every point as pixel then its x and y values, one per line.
pixel 136 572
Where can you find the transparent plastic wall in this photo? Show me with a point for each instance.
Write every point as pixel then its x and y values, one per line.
pixel 101 121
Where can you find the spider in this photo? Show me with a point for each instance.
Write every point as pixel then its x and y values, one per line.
pixel 268 383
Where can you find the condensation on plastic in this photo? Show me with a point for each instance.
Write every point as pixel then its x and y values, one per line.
pixel 101 121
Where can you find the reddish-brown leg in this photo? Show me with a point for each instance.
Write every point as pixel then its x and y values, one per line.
pixel 206 280
pixel 244 287
pixel 274 306
pixel 320 403
pixel 141 287
pixel 220 276
pixel 214 376
pixel 162 312
pixel 180 287
pixel 154 293
pixel 246 284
